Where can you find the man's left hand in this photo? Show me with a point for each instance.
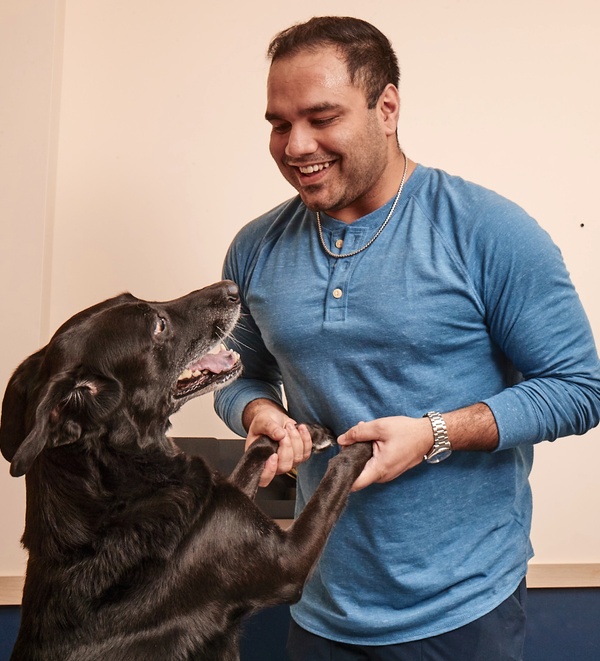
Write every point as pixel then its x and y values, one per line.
pixel 399 443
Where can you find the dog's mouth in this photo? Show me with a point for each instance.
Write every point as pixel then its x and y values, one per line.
pixel 210 371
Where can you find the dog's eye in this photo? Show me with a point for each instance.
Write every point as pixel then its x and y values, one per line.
pixel 160 326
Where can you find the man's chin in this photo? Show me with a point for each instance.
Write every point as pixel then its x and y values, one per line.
pixel 315 200
pixel 318 196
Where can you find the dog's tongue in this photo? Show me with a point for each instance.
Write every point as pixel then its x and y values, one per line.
pixel 219 360
pixel 216 362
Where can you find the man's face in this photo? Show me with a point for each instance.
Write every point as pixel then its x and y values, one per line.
pixel 327 143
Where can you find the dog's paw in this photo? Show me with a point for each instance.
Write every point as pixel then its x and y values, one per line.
pixel 353 458
pixel 263 447
pixel 322 438
pixel 360 452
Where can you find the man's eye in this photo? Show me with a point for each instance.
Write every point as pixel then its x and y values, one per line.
pixel 325 121
pixel 280 128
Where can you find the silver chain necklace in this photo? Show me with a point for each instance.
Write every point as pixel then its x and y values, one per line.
pixel 379 231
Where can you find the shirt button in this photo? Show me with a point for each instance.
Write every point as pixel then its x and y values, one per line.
pixel 339 243
pixel 337 293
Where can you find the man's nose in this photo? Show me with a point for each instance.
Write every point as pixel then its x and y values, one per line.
pixel 301 142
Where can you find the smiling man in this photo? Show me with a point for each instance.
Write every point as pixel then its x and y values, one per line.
pixel 401 305
pixel 339 153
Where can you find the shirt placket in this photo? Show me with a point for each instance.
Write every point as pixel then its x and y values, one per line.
pixel 340 274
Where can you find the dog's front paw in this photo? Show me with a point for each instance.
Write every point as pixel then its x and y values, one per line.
pixel 353 458
pixel 263 447
pixel 322 438
pixel 359 452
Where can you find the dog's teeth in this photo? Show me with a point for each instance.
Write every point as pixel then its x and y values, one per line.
pixel 218 348
pixel 196 373
pixel 186 374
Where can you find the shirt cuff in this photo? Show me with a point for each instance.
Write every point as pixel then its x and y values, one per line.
pixel 517 423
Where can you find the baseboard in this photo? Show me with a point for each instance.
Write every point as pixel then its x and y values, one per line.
pixel 11 588
pixel 563 576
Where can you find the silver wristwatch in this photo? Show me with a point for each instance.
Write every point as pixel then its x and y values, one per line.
pixel 441 448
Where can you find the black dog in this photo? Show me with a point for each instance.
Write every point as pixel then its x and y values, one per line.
pixel 138 552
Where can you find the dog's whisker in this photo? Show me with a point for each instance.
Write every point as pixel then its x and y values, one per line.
pixel 235 341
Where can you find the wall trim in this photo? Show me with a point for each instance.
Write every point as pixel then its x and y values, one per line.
pixel 580 575
pixel 11 588
pixel 539 576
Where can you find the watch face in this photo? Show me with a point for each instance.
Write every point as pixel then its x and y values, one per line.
pixel 439 455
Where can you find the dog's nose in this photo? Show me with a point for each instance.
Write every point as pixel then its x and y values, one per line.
pixel 233 291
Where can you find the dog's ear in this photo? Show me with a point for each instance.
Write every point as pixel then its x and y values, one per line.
pixel 70 405
pixel 19 391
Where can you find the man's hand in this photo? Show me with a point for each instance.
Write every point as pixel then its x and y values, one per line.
pixel 262 417
pixel 399 443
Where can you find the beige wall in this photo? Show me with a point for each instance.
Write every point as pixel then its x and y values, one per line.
pixel 132 148
pixel 30 58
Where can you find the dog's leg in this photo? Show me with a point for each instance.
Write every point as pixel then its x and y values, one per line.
pixel 305 538
pixel 246 474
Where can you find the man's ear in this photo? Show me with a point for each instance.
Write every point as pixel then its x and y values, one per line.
pixel 69 405
pixel 388 106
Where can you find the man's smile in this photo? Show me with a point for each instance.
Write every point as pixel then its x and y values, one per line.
pixel 309 169
pixel 310 173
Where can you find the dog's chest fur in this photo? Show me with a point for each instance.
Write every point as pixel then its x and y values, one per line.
pixel 118 539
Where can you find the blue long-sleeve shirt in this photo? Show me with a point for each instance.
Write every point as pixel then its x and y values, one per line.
pixel 463 298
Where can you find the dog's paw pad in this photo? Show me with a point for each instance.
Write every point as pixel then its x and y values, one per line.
pixel 322 438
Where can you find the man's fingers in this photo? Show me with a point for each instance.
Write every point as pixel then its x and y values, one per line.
pixel 295 446
pixel 370 474
pixel 269 471
pixel 305 449
pixel 361 432
pixel 285 455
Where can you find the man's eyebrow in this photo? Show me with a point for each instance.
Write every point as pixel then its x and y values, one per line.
pixel 305 112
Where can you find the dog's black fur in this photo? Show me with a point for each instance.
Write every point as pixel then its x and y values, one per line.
pixel 138 552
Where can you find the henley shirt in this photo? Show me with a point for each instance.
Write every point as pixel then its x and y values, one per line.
pixel 463 298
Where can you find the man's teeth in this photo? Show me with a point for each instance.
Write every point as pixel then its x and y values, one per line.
pixel 309 169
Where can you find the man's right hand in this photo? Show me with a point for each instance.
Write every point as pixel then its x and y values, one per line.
pixel 263 417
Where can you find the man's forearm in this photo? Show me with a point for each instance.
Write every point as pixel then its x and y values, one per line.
pixel 472 428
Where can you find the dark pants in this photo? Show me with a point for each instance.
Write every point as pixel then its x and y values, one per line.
pixel 497 636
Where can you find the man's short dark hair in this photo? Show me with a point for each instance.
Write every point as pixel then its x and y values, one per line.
pixel 368 53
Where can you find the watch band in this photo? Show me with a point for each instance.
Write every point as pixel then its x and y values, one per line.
pixel 441 448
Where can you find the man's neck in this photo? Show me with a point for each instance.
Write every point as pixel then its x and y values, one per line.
pixel 380 195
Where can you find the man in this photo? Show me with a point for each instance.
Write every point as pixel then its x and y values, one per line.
pixel 385 292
